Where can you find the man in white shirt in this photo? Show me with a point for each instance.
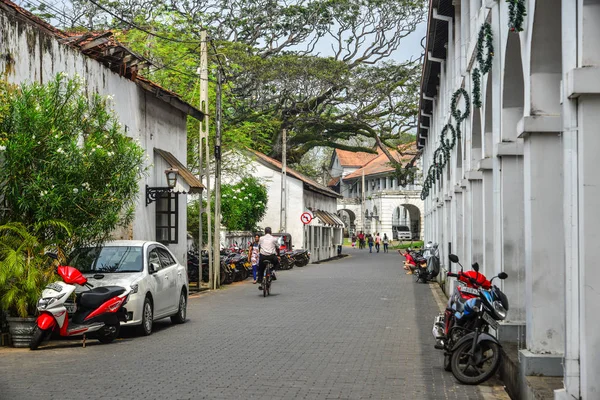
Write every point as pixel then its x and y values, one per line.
pixel 268 251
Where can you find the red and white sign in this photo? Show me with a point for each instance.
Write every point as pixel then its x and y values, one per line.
pixel 306 217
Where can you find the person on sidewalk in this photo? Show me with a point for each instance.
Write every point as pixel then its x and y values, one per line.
pixel 353 240
pixel 370 241
pixel 385 243
pixel 253 255
pixel 409 263
pixel 377 242
pixel 269 250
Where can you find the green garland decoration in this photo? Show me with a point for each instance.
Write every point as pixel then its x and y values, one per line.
pixel 516 12
pixel 446 142
pixel 457 114
pixel 476 88
pixel 485 37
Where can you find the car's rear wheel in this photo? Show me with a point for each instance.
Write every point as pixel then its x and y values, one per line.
pixel 179 318
pixel 147 318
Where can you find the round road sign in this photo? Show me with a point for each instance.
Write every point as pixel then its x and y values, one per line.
pixel 306 217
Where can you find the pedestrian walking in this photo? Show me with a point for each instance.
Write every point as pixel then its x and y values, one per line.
pixel 385 243
pixel 377 242
pixel 361 240
pixel 253 252
pixel 370 241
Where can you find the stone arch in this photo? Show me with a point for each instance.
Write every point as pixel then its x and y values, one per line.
pixel 407 214
pixel 546 59
pixel 513 90
pixel 349 218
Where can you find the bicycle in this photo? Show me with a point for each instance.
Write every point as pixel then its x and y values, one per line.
pixel 266 283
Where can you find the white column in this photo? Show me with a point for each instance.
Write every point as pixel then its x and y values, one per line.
pixel 488 222
pixel 476 254
pixel 544 253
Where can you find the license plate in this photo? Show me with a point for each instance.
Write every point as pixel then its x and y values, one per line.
pixel 54 286
pixel 71 308
pixel 470 290
pixel 491 321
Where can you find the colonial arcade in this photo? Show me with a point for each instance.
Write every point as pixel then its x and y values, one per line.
pixel 509 109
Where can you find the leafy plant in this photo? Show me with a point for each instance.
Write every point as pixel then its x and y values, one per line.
pixel 243 205
pixel 64 157
pixel 24 269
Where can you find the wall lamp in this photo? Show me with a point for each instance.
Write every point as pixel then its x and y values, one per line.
pixel 152 193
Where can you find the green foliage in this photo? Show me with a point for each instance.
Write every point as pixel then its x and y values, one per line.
pixel 193 221
pixel 66 158
pixel 516 12
pixel 24 269
pixel 243 204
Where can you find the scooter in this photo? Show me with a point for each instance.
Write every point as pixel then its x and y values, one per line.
pixel 98 311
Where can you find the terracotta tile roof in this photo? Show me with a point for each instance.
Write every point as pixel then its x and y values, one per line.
pixel 353 159
pixel 104 48
pixel 333 181
pixel 381 164
pixel 314 186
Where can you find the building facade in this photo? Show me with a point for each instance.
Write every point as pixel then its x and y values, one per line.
pixel 33 51
pixel 286 204
pixel 509 109
pixel 384 206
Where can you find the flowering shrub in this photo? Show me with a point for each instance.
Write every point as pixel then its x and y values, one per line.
pixel 64 157
pixel 243 205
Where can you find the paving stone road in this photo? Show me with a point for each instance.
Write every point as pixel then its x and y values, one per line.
pixel 355 328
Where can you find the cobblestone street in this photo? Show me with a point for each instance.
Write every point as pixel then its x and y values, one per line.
pixel 355 328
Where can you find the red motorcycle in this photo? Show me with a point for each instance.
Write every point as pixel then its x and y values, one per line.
pixel 98 311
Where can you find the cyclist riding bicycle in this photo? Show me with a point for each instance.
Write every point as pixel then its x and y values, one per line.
pixel 269 250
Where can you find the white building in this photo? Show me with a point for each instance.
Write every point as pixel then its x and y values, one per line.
pixel 519 190
pixel 384 205
pixel 323 234
pixel 32 50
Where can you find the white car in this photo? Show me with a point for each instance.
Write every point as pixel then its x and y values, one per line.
pixel 159 284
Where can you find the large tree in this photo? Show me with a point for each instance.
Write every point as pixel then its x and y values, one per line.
pixel 323 70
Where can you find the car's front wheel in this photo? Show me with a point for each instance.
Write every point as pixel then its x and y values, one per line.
pixel 179 318
pixel 147 317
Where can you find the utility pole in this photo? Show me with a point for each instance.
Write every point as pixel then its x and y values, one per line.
pixel 203 136
pixel 217 240
pixel 363 211
pixel 283 214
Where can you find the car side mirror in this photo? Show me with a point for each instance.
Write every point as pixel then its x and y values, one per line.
pixel 453 258
pixel 475 267
pixel 154 267
pixel 502 275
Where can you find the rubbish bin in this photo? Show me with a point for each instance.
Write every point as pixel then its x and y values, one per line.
pixel 339 249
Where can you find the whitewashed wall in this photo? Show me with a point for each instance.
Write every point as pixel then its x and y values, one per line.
pixel 519 192
pixel 38 56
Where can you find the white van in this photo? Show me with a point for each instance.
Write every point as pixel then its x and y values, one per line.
pixel 403 232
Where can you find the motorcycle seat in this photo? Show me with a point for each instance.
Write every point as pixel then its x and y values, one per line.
pixel 95 297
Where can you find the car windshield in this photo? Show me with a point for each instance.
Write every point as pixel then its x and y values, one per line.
pixel 403 229
pixel 108 259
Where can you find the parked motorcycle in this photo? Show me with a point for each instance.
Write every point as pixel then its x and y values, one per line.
pixel 301 257
pixel 429 264
pixel 98 311
pixel 464 330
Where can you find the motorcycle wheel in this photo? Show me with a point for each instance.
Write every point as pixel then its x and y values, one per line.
pixel 109 333
pixel 38 337
pixel 477 368
pixel 447 362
